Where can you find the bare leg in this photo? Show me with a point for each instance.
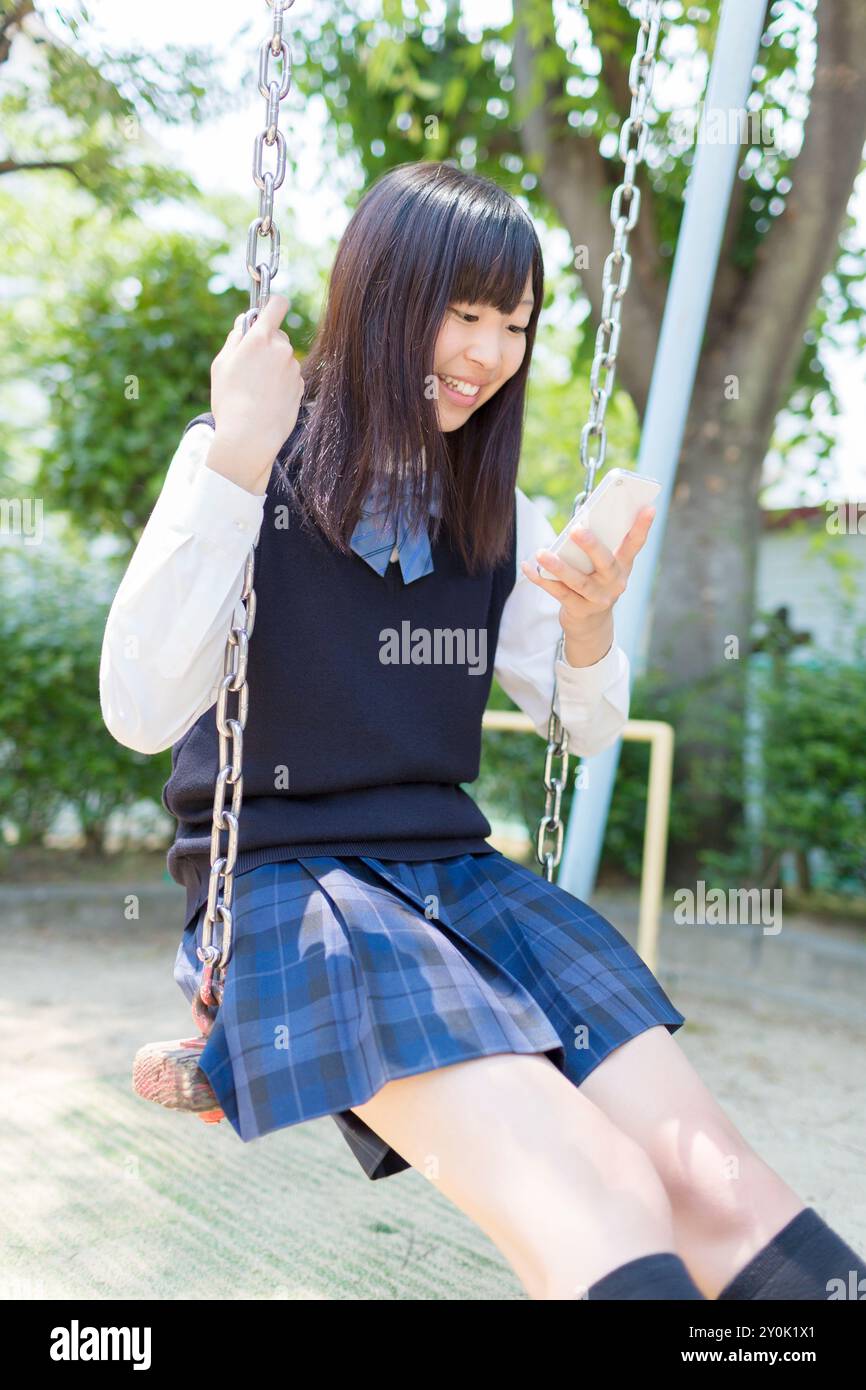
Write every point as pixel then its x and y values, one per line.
pixel 726 1201
pixel 557 1187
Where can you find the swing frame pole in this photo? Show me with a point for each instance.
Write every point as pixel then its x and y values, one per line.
pixel 707 200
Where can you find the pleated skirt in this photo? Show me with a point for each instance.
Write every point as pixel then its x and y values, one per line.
pixel 350 972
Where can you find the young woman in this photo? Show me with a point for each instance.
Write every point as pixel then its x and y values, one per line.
pixel 452 1010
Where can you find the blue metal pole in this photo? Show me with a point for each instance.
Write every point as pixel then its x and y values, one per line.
pixel 708 195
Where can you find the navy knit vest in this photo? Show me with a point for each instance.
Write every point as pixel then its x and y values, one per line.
pixel 366 697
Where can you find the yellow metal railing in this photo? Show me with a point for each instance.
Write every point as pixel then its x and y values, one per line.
pixel 660 737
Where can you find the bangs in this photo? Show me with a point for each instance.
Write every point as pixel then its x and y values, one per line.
pixel 423 236
pixel 492 248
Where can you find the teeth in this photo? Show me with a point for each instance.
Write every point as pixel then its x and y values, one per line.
pixel 462 386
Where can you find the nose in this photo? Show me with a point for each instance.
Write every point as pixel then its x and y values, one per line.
pixel 485 351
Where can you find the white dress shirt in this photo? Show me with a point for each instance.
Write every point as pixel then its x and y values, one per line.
pixel 165 635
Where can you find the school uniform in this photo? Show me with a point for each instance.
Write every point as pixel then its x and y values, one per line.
pixel 377 933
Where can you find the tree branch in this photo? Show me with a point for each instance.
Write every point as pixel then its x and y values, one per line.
pixel 15 166
pixel 579 183
pixel 10 22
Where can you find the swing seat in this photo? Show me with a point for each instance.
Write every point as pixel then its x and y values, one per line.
pixel 168 1074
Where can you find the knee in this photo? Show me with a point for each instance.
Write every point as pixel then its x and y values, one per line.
pixel 591 1195
pixel 711 1175
pixel 594 1216
pixel 628 1186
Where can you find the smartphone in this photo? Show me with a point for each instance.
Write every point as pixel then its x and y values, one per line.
pixel 609 512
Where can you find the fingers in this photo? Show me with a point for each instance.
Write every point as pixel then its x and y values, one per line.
pixel 608 579
pixel 598 553
pixel 634 540
pixel 578 605
pixel 556 587
pixel 236 332
pixel 596 587
pixel 267 322
pixel 272 315
pixel 604 565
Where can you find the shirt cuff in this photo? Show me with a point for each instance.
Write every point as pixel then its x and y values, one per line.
pixel 587 682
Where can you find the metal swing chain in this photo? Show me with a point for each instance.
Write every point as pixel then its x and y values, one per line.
pixel 614 283
pixel 234 681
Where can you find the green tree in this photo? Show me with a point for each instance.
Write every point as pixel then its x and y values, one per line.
pixel 80 108
pixel 537 105
pixel 125 357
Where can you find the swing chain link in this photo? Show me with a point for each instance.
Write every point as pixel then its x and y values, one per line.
pixel 267 181
pixel 614 283
pixel 234 680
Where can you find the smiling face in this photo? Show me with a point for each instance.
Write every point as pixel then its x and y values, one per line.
pixel 479 348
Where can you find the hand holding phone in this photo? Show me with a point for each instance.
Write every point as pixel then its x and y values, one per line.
pixel 609 513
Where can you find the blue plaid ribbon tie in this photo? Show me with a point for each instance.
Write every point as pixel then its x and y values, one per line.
pixel 375 537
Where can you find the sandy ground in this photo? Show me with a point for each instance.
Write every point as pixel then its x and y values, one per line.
pixel 104 1196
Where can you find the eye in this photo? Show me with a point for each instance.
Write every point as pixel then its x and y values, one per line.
pixel 473 318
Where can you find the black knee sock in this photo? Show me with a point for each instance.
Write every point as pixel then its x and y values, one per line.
pixel 649 1277
pixel 804 1261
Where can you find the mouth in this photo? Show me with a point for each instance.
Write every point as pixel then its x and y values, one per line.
pixel 460 397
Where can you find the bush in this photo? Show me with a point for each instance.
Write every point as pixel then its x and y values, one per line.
pixel 806 773
pixel 812 768
pixel 56 750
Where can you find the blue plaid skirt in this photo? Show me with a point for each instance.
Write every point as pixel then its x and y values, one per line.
pixel 346 973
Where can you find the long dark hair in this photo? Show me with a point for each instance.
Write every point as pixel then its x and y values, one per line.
pixel 422 237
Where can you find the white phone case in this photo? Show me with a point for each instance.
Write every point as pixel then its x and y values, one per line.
pixel 609 512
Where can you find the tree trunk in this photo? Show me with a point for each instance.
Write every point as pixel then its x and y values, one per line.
pixel 704 597
pixel 94 837
pixel 703 603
